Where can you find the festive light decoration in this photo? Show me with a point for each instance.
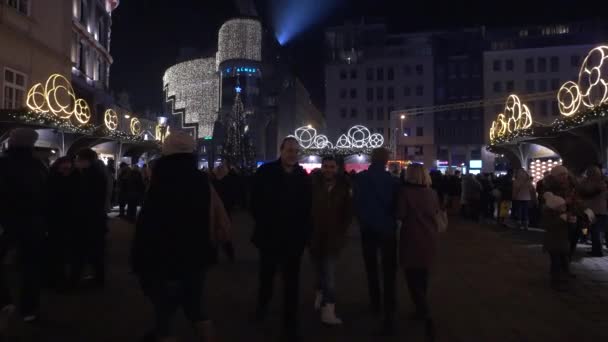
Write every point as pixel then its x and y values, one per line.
pixel 193 88
pixel 158 132
pixel 569 98
pixel 110 118
pixel 592 84
pixel 581 118
pixel 538 167
pixel 135 126
pixel 47 119
pixel 238 148
pixel 358 137
pixel 240 39
pixel 58 97
pixel 516 118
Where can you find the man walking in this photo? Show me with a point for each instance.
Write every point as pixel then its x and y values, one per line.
pixel 23 196
pixel 375 203
pixel 281 204
pixel 331 215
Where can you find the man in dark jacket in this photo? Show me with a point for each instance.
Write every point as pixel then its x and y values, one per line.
pixel 375 194
pixel 23 194
pixel 91 216
pixel 281 205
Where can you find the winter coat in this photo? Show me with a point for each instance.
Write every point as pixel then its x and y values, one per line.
pixel 90 207
pixel 281 204
pixel 23 195
pixel 417 207
pixel 375 196
pixel 331 216
pixel 594 195
pixel 523 190
pixel 556 238
pixel 172 235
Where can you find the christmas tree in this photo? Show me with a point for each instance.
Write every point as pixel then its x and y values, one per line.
pixel 237 148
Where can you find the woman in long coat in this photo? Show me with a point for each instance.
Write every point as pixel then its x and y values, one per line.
pixel 417 209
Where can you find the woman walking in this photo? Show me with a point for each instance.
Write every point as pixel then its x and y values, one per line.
pixel 174 235
pixel 417 209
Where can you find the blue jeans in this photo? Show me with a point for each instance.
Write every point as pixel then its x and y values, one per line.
pixel 326 278
pixel 596 234
pixel 522 209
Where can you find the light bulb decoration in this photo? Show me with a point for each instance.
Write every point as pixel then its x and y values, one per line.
pixel 569 98
pixel 110 119
pixel 36 99
pixel 135 126
pixel 158 132
pixel 82 112
pixel 592 78
pixel 516 120
pixel 358 138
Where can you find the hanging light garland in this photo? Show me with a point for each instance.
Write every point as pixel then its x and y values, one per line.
pixel 357 140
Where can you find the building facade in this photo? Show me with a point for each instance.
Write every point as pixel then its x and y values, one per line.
pixel 35 45
pixel 369 74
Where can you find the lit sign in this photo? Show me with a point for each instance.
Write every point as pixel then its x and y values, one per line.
pixel 208 138
pixel 475 164
pixel 442 163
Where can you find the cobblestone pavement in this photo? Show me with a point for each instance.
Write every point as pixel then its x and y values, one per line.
pixel 490 284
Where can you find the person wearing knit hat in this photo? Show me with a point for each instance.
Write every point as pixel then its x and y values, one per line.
pixel 178 142
pixel 556 243
pixel 23 199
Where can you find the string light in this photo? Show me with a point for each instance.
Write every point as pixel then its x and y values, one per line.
pixel 110 118
pixel 193 87
pixel 516 120
pixel 82 112
pixel 569 98
pixel 358 137
pixel 240 39
pixel 58 97
pixel 135 126
pixel 158 132
pixel 592 85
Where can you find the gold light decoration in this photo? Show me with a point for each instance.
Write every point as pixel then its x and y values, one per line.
pixel 60 96
pixel 110 118
pixel 82 112
pixel 569 98
pixel 517 116
pixel 36 100
pixel 159 135
pixel 135 126
pixel 591 79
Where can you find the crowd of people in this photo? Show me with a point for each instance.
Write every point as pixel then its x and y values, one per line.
pixel 185 220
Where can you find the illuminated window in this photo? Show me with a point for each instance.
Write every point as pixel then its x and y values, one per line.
pixel 14 89
pixel 407 132
pixel 20 5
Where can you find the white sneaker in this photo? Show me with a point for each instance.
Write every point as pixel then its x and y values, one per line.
pixel 328 315
pixel 318 300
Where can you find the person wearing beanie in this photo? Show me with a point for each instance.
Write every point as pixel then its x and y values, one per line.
pixel 556 239
pixel 23 195
pixel 180 220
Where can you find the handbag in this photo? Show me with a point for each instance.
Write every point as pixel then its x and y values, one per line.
pixel 441 219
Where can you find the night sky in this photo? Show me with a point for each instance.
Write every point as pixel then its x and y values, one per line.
pixel 148 34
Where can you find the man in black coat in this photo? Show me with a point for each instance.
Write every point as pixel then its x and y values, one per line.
pixel 23 194
pixel 91 216
pixel 281 205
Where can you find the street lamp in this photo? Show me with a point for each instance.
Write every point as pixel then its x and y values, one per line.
pixel 127 116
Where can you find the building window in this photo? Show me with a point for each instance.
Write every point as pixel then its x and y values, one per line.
pixel 342 93
pixel 419 131
pixel 380 113
pixel 342 74
pixel 407 91
pixel 555 84
pixel 370 113
pixel 529 65
pixel 497 87
pixel 554 64
pixel 380 130
pixel 353 112
pixel 390 74
pixel 541 64
pixel 542 85
pixel 343 113
pixel 83 10
pixel 407 70
pixel 353 74
pixel 369 74
pixel 510 86
pixel 379 93
pixel 418 150
pixel 543 108
pixel 82 63
pixel 390 93
pixel 419 90
pixel 369 94
pixel 380 74
pixel 389 110
pixel 575 61
pixel 20 5
pixel 496 65
pixel 14 89
pixel 554 108
pixel 419 69
pixel 509 65
pixel 353 93
pixel 530 86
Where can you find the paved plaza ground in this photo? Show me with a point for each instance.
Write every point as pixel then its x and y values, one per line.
pixel 491 284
